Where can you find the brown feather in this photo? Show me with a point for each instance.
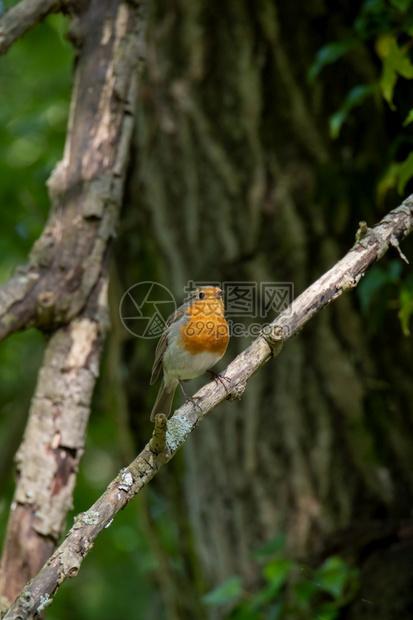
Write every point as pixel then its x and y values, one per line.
pixel 163 341
pixel 163 403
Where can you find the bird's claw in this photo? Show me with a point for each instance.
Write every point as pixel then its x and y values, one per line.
pixel 218 377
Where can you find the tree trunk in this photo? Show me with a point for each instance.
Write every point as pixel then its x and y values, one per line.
pixel 63 289
pixel 242 183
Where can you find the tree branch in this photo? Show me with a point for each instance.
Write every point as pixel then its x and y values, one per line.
pixel 64 289
pixel 86 187
pixel 345 275
pixel 19 18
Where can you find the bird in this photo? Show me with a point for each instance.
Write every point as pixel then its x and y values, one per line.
pixel 195 337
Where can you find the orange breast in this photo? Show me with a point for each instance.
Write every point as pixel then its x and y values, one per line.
pixel 205 332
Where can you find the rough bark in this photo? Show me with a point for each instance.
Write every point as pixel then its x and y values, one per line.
pixel 63 290
pixel 241 182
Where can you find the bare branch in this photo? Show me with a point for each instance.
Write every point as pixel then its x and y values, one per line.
pixel 19 18
pixel 65 287
pixel 345 275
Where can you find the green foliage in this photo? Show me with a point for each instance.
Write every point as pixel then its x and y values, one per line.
pixel 35 83
pixel 354 97
pixel 405 173
pixel 383 289
pixel 227 592
pixel 386 25
pixel 381 16
pixel 396 63
pixel 375 281
pixel 329 54
pixel 397 175
pixel 289 590
pixel 406 306
pixel 274 546
pixel 35 80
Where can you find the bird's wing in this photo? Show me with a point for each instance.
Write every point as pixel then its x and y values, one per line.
pixel 163 341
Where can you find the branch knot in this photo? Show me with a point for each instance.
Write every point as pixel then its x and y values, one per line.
pixel 274 335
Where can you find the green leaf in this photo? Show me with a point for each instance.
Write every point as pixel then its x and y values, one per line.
pixel 336 121
pixel 229 591
pixel 388 81
pixel 275 545
pixel 242 611
pixel 333 576
pixel 278 571
pixel 375 281
pixel 397 175
pixel 304 592
pixel 326 613
pixel 402 5
pixel 357 95
pixel 266 595
pixel 328 54
pixel 354 97
pixel 408 119
pixel 396 62
pixel 406 309
pixel 275 612
pixel 405 173
pixel 388 181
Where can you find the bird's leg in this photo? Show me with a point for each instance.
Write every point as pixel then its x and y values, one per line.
pixel 190 399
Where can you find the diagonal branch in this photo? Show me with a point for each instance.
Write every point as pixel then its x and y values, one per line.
pixel 19 18
pixel 370 246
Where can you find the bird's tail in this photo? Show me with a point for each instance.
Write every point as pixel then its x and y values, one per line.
pixel 163 402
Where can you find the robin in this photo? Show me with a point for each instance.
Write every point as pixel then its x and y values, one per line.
pixel 194 339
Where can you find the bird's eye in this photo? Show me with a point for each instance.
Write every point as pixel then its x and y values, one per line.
pixel 201 295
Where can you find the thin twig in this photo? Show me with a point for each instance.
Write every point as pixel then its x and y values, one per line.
pixel 345 275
